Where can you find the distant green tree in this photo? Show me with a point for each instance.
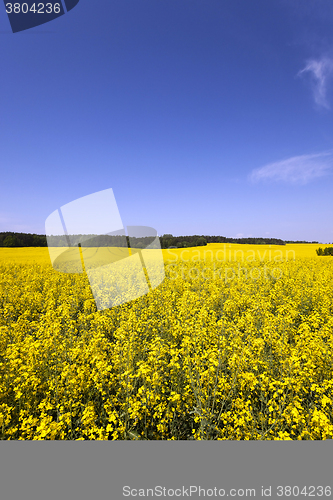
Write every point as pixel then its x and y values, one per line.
pixel 36 241
pixel 11 241
pixel 326 251
pixel 201 241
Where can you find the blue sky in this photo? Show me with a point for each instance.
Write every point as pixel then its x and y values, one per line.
pixel 205 117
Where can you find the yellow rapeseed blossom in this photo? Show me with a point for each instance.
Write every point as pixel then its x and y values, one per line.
pixel 236 343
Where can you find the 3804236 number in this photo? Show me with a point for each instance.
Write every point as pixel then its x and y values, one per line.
pixel 17 8
pixel 311 491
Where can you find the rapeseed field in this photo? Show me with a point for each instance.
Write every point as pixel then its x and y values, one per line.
pixel 235 344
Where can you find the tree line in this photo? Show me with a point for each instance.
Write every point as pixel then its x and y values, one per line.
pixel 16 240
pixel 12 240
pixel 168 240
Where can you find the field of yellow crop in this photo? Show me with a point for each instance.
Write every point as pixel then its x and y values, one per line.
pixel 235 344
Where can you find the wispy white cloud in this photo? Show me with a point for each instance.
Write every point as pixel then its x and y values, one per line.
pixel 242 235
pixel 321 72
pixel 296 170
